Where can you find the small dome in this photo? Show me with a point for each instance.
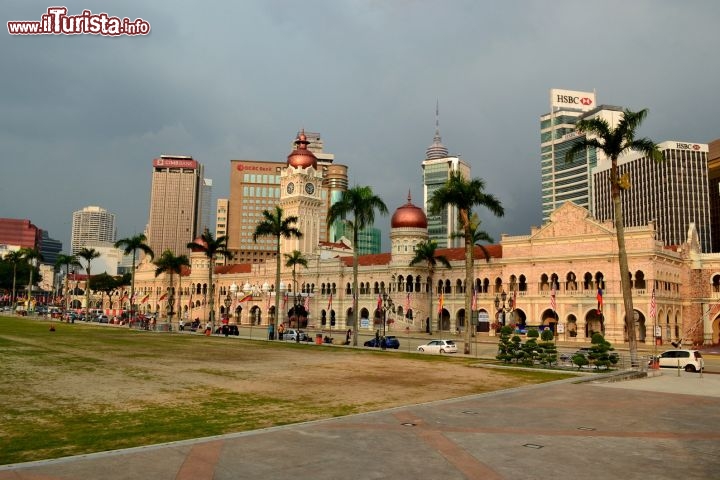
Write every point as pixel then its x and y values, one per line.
pixel 301 157
pixel 199 241
pixel 409 216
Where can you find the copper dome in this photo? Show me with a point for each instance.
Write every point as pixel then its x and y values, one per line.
pixel 409 216
pixel 198 241
pixel 302 157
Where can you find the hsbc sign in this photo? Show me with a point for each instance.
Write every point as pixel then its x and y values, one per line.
pixel 571 99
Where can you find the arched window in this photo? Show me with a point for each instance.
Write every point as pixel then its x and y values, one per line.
pixel 409 284
pixel 640 280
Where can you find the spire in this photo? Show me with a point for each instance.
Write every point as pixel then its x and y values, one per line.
pixel 437 149
pixel 409 196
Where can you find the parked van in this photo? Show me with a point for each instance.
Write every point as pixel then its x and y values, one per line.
pixel 688 360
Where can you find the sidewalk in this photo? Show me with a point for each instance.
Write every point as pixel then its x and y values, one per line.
pixel 664 427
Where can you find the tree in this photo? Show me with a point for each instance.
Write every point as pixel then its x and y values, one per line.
pixel 67 261
pixel 211 247
pixel 600 352
pixel 104 283
pixel 506 348
pixel 88 254
pixel 548 350
pixel 30 255
pixel 425 253
pixel 464 195
pixel 15 257
pixel 360 203
pixel 275 224
pixel 132 245
pixel 614 142
pixel 293 260
pixel 172 264
pixel 530 347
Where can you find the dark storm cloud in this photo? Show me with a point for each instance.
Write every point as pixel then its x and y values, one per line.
pixel 84 115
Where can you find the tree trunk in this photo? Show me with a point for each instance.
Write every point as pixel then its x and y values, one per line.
pixel 276 320
pixel 468 276
pixel 624 268
pixel 132 290
pixel 355 286
pixel 430 300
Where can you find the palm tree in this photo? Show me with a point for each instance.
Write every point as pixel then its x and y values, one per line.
pixel 361 203
pixel 67 261
pixel 211 247
pixel 88 254
pixel 464 195
pixel 172 264
pixel 425 253
pixel 132 245
pixel 614 142
pixel 30 255
pixel 14 257
pixel 293 260
pixel 274 225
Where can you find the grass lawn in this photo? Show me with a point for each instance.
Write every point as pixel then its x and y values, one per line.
pixel 87 388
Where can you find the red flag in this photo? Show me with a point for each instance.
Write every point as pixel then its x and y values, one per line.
pixel 163 297
pixel 514 305
pixel 440 303
pixel 330 302
pixel 285 300
pixel 473 307
pixel 600 300
pixel 553 302
pixel 407 302
pixel 379 305
pixel 307 304
pixel 246 298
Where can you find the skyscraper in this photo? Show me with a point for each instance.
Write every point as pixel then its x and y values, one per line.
pixel 563 181
pixel 175 203
pixel 714 191
pixel 92 226
pixel 437 167
pixel 672 193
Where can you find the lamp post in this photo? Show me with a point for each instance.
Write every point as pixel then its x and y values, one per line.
pixel 234 290
pixel 502 309
pixel 388 306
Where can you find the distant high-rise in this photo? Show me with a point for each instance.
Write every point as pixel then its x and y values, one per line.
pixel 49 248
pixel 563 181
pixel 672 193
pixel 437 167
pixel 714 191
pixel 92 226
pixel 176 203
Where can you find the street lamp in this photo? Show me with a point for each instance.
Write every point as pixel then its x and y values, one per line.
pixel 234 290
pixel 387 305
pixel 502 308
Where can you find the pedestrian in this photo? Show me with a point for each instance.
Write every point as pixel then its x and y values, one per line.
pixel 347 336
pixel 377 338
pixel 181 325
pixel 271 331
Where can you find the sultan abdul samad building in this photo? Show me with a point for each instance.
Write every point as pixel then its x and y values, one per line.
pixel 563 275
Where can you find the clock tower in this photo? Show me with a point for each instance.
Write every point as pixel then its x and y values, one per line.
pixel 301 196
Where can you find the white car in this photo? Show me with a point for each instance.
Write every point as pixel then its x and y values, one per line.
pixel 438 346
pixel 688 360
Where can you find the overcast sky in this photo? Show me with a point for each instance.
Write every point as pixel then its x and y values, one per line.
pixel 83 116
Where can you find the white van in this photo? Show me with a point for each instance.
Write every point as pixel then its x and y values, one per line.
pixel 688 360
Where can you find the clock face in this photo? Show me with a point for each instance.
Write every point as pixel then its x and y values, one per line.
pixel 309 188
pixel 290 187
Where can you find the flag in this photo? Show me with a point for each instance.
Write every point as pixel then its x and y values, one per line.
pixel 553 302
pixel 330 302
pixel 307 304
pixel 407 302
pixel 147 297
pixel 285 300
pixel 440 303
pixel 245 298
pixel 163 297
pixel 600 300
pixel 473 307
pixel 379 305
pixel 514 305
pixel 653 307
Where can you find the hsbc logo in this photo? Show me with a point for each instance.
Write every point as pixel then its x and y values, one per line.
pixel 574 100
pixel 687 146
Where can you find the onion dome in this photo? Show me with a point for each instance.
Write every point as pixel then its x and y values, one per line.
pixel 301 157
pixel 409 216
pixel 199 241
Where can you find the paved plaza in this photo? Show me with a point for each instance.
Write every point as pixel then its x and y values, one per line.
pixel 662 427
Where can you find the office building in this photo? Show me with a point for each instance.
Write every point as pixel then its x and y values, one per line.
pixel 672 193
pixel 175 203
pixel 369 239
pixel 714 192
pixel 49 248
pixel 18 233
pixel 437 168
pixel 205 206
pixel 92 225
pixel 221 216
pixel 568 181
